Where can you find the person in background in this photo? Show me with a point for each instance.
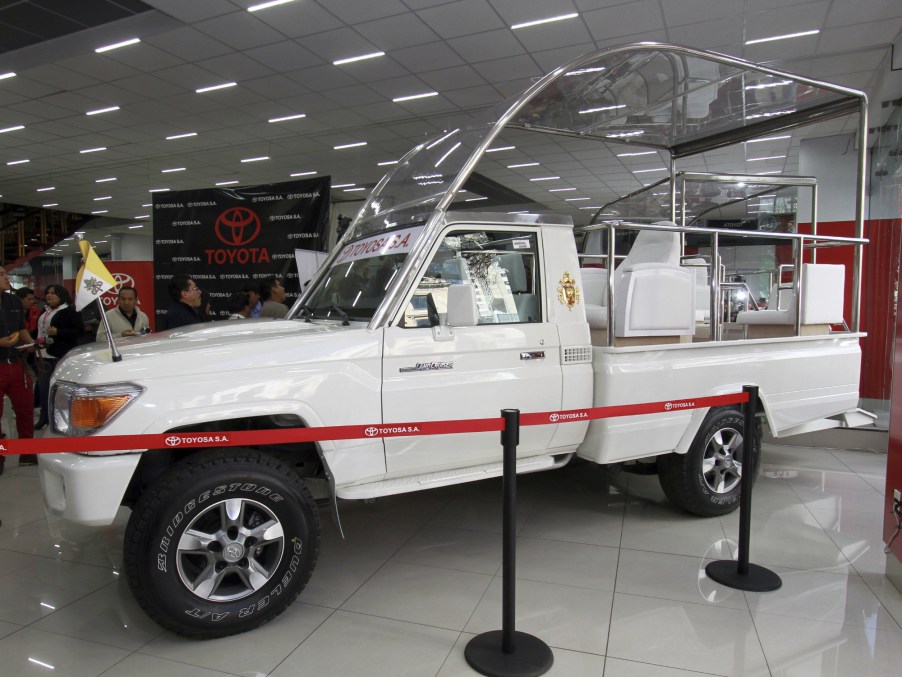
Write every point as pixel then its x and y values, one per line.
pixel 273 294
pixel 239 306
pixel 59 328
pixel 185 306
pixel 253 295
pixel 126 319
pixel 15 381
pixel 32 308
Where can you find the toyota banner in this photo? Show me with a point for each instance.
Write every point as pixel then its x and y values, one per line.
pixel 227 239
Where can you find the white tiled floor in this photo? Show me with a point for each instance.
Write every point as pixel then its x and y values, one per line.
pixel 610 575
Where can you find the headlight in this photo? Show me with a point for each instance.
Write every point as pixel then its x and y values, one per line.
pixel 82 410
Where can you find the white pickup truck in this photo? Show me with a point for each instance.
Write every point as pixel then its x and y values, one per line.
pixel 426 311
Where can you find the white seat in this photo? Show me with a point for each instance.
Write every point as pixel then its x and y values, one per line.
pixel 699 268
pixel 823 294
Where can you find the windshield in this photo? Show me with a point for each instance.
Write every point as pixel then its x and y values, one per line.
pixel 360 276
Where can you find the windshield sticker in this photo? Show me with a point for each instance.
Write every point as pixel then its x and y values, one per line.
pixel 568 293
pixel 521 244
pixel 396 242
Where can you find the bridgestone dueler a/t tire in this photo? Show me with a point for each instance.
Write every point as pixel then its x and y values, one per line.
pixel 683 478
pixel 196 492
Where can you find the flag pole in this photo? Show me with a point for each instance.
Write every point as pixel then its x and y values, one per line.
pixel 117 356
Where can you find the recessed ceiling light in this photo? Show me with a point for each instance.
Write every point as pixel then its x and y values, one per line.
pixel 101 211
pixel 106 180
pixel 351 190
pixel 117 45
pixel 499 149
pixel 549 20
pixel 227 183
pixel 256 159
pixel 289 117
pixel 782 37
pixel 577 199
pixel 559 190
pixel 645 171
pixel 142 216
pixel 267 5
pixel 4 76
pixel 302 174
pixel 411 97
pixel 343 185
pixel 12 129
pixel 362 57
pixel 181 136
pixel 524 164
pixel 644 152
pixel 45 189
pixel 602 108
pixel 356 144
pixel 103 197
pixel 386 163
pixel 140 225
pixel 770 138
pixel 157 190
pixel 769 157
pixel 174 169
pixel 545 178
pixel 108 109
pixel 17 162
pixel 92 150
pixel 213 88
pixel 51 204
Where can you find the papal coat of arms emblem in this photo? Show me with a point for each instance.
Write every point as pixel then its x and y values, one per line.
pixel 568 293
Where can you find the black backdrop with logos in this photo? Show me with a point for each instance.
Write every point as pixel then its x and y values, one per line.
pixel 230 238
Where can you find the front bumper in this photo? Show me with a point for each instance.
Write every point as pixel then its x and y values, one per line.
pixel 86 489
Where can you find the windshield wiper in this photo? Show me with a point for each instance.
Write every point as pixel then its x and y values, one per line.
pixel 306 312
pixel 342 314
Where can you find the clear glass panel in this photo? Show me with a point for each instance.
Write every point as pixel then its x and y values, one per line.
pixel 503 268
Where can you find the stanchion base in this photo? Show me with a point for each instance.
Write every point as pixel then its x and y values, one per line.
pixel 758 579
pixel 531 656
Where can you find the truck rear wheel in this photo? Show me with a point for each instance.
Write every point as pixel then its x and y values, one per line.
pixel 705 480
pixel 223 542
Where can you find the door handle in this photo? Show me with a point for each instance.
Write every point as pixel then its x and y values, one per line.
pixel 533 355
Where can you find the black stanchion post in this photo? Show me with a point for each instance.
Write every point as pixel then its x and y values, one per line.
pixel 506 652
pixel 741 574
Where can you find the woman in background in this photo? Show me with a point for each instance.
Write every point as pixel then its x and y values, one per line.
pixel 59 329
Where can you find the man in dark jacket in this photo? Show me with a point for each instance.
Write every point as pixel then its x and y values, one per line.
pixel 185 306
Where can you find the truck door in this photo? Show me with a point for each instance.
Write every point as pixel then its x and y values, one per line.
pixel 510 359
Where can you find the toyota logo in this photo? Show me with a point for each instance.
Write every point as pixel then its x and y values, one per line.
pixel 122 280
pixel 555 417
pixel 237 226
pixel 372 431
pixel 173 441
pixel 668 406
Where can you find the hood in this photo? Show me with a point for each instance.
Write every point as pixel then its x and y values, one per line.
pixel 198 349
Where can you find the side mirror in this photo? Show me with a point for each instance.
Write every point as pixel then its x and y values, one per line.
pixel 462 311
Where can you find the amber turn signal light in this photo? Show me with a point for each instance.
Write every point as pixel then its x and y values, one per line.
pixel 93 412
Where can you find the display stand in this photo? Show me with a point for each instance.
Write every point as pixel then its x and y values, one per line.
pixel 740 574
pixel 506 652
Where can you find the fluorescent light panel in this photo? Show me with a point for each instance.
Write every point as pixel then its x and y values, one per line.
pixel 769 157
pixel 45 189
pixel 782 37
pixel 158 190
pixel 224 183
pixel 17 162
pixel 499 149
pixel 256 159
pixel 92 150
pixel 175 169
pixel 559 190
pixel 12 129
pixel 4 76
pixel 424 95
pixel 181 136
pixel 362 57
pixel 106 180
pixel 770 138
pixel 51 204
pixel 108 109
pixel 645 171
pixel 286 118
pixel 213 88
pixel 601 109
pixel 356 144
pixel 343 185
pixel 117 45
pixel 101 211
pixel 102 198
pixel 523 164
pixel 545 178
pixel 386 163
pixel 644 152
pixel 538 22
pixel 302 174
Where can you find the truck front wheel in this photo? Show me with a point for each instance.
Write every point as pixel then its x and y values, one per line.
pixel 705 480
pixel 222 543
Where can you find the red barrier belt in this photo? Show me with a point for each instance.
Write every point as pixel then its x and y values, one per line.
pixel 55 445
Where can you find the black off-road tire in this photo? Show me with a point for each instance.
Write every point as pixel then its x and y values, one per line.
pixel 705 480
pixel 238 526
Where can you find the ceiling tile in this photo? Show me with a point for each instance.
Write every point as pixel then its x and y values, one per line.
pixel 61 78
pixel 690 11
pixel 551 36
pixel 471 97
pixel 707 34
pixel 277 86
pixel 797 18
pixel 286 55
pixel 848 13
pixel 403 30
pixel 462 18
pixel 354 12
pixel 144 57
pixel 501 70
pixel 189 44
pixel 295 21
pixel 619 20
pixel 235 67
pixel 241 30
pixel 193 11
pixel 452 78
pixel 485 46
pixel 427 57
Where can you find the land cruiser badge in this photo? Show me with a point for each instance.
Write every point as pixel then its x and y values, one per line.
pixel 428 366
pixel 568 293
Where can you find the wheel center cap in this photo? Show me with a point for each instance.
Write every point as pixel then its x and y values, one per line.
pixel 233 552
pixel 728 460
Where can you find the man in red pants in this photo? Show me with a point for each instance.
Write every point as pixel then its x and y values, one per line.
pixel 14 378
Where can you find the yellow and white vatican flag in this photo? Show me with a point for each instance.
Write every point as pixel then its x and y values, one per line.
pixel 93 279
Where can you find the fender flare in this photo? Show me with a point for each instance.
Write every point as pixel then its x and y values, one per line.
pixel 699 415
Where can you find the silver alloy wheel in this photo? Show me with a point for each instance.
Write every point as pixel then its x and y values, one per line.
pixel 721 468
pixel 230 550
